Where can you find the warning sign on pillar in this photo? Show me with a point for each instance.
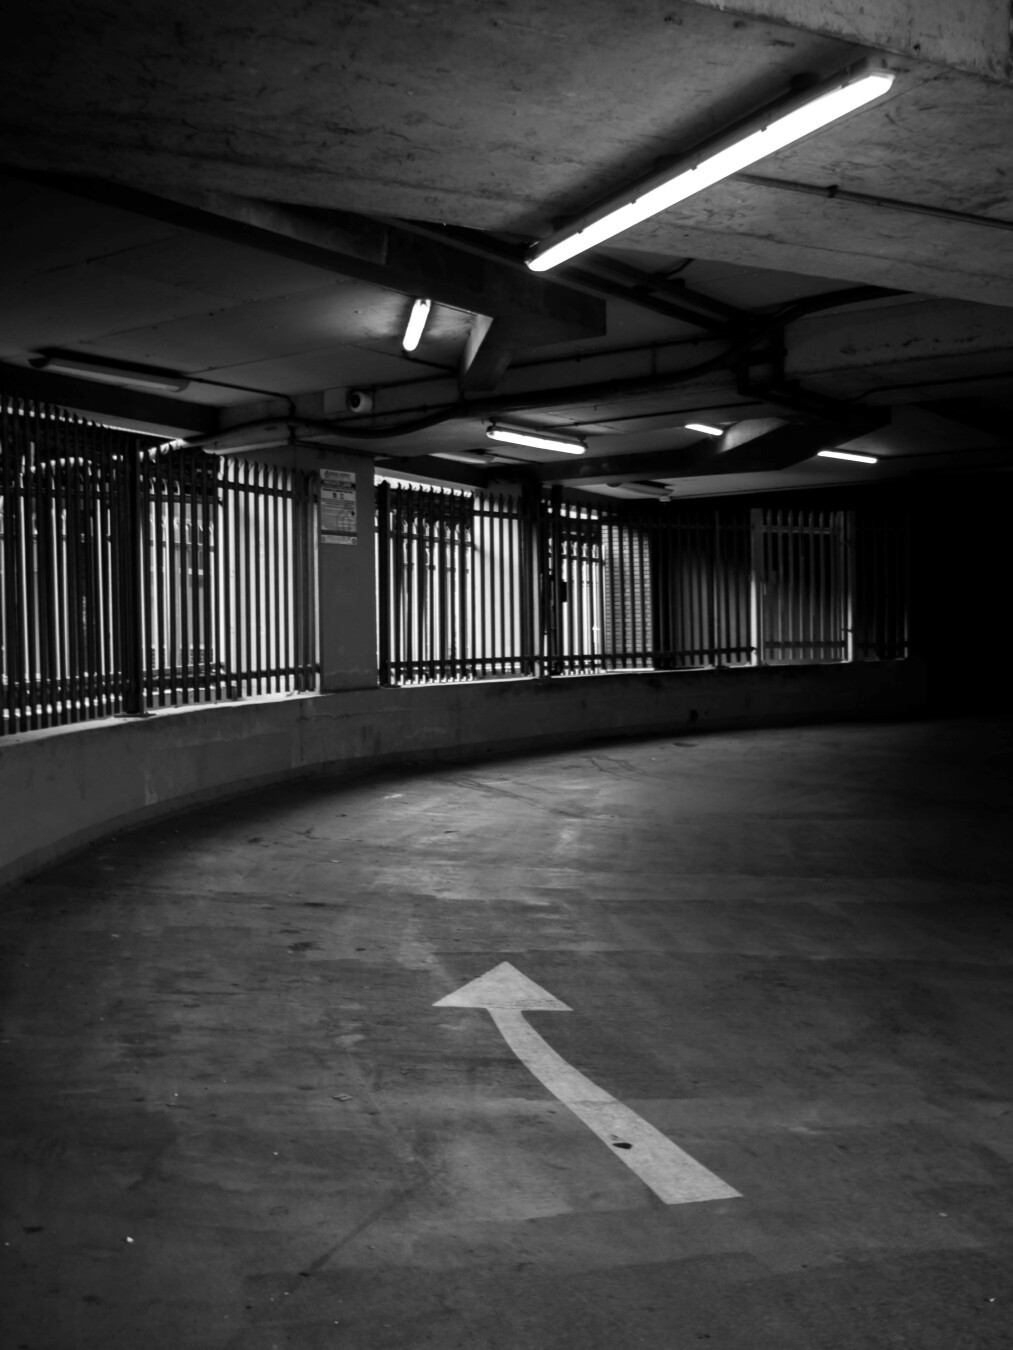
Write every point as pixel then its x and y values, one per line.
pixel 338 522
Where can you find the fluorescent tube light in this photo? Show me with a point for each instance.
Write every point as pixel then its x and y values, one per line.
pixel 464 456
pixel 656 490
pixel 760 136
pixel 416 324
pixel 537 440
pixel 703 427
pixel 848 454
pixel 136 377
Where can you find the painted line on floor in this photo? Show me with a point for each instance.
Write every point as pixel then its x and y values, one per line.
pixel 506 994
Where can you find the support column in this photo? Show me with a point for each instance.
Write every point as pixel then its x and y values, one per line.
pixel 347 587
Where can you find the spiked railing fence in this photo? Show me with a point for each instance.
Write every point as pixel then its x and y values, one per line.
pixel 477 584
pixel 133 578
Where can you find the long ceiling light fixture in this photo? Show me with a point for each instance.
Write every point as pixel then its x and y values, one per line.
pixel 416 324
pixel 847 454
pixel 705 429
pixel 106 372
pixel 536 440
pixel 778 125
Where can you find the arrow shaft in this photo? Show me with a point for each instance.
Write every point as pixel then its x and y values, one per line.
pixel 674 1176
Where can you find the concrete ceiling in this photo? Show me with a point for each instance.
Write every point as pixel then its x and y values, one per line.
pixel 252 196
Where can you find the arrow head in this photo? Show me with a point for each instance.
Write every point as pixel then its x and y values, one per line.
pixel 503 987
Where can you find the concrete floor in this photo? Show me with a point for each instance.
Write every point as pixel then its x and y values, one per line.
pixel 232 1118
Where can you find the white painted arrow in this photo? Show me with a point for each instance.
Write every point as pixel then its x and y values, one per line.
pixel 506 994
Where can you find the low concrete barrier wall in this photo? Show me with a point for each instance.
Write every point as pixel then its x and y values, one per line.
pixel 63 788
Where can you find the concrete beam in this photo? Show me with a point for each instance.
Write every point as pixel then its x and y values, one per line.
pixel 152 414
pixel 972 36
pixel 486 355
pixel 777 448
pixel 368 250
pixel 841 353
pixel 971 413
pixel 926 341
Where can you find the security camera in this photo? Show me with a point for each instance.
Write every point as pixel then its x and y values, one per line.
pixel 359 401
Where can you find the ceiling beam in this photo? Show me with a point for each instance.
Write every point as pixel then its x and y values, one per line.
pixel 970 412
pixel 641 289
pixel 153 414
pixel 778 448
pixel 383 254
pixel 486 355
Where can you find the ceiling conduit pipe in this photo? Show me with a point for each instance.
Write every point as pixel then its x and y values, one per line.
pixel 491 407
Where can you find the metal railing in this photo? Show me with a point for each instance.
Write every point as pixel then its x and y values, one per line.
pixel 704 592
pixel 131 578
pixel 882 586
pixel 802 568
pixel 478 584
pixel 228 606
pixel 454 585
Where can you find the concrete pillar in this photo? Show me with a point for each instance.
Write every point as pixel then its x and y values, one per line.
pixel 347 589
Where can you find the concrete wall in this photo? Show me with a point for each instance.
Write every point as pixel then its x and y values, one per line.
pixel 61 789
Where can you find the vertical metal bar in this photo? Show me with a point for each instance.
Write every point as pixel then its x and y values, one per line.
pixel 73 564
pixel 398 601
pixel 451 547
pixel 29 595
pixel 621 595
pixel 213 563
pixel 9 688
pixel 426 577
pixel 418 528
pixel 209 579
pixel 501 598
pixel 247 485
pixel 407 527
pixel 101 470
pixel 444 524
pixel 383 535
pixel 156 638
pixel 63 583
pixel 568 541
pixel 644 589
pixel 274 609
pixel 846 533
pixel 415 527
pixel 287 559
pixel 43 563
pixel 727 552
pixel 227 569
pixel 757 607
pixel 305 549
pixel 133 693
pixel 474 564
pixel 699 596
pixel 12 683
pixel 142 550
pixel 84 541
pixel 187 637
pixel 254 660
pixel 244 579
pixel 823 635
pixel 786 585
pixel 194 539
pixel 255 502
